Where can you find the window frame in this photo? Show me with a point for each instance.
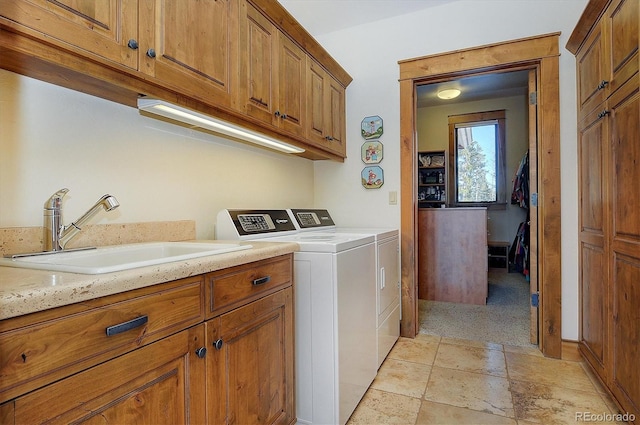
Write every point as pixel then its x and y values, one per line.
pixel 499 117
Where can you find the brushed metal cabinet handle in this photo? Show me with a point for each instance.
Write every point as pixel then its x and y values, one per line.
pixel 261 280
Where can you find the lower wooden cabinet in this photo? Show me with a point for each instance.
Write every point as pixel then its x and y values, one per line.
pixel 157 384
pixel 250 367
pixel 235 368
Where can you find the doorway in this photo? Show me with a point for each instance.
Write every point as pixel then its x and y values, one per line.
pixel 503 152
pixel 540 53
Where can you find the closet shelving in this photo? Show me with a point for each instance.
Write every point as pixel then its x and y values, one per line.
pixel 432 179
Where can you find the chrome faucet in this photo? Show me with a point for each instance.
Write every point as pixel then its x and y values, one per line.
pixel 56 234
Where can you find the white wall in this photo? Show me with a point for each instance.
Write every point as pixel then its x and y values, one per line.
pixel 52 137
pixel 370 53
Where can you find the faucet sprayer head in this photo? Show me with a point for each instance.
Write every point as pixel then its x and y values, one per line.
pixel 109 203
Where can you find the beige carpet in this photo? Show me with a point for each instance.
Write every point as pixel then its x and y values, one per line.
pixel 504 320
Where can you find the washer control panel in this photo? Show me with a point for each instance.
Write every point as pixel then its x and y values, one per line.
pixel 256 222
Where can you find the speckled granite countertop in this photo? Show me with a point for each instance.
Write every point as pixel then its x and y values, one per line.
pixel 24 291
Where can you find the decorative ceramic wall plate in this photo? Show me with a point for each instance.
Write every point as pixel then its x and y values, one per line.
pixel 372 127
pixel 372 177
pixel 371 152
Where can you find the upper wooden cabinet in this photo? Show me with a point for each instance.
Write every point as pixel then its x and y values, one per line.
pixel 190 46
pixel 272 70
pixel 608 56
pixel 591 72
pixel 106 28
pixel 244 61
pixel 620 21
pixel 325 110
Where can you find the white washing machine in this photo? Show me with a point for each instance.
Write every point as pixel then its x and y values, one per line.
pixel 335 311
pixel 387 266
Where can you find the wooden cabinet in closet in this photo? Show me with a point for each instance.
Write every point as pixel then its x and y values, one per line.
pixel 605 42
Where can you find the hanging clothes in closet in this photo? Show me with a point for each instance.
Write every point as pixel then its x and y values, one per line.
pixel 520 193
pixel 519 252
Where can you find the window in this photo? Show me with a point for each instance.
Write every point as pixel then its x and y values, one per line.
pixel 477 160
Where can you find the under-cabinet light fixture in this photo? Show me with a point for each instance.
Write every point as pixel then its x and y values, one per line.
pixel 448 94
pixel 178 113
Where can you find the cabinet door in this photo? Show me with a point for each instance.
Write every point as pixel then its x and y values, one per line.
pixel 592 72
pixel 258 68
pixel 335 112
pixel 250 373
pixel 157 384
pixel 325 110
pixel 625 244
pixel 103 28
pixel 621 23
pixel 317 81
pixel 292 63
pixel 44 347
pixel 593 179
pixel 192 47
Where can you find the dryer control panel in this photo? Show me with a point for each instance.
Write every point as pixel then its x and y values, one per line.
pixel 312 218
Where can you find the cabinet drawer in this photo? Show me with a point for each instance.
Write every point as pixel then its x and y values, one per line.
pixel 157 384
pixel 233 287
pixel 36 354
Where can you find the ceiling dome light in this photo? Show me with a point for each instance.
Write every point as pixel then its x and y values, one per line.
pixel 448 93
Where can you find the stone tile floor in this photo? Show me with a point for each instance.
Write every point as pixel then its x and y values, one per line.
pixel 440 380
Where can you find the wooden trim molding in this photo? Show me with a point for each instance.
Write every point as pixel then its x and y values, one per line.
pixel 477 59
pixel 589 17
pixel 540 53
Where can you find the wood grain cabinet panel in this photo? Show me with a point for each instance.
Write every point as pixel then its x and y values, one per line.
pixel 593 175
pixel 609 172
pixel 44 351
pixel 621 55
pixel 250 367
pixel 100 28
pixel 592 71
pixel 593 311
pixel 593 152
pixel 325 110
pixel 258 40
pixel 242 61
pixel 8 413
pixel 233 287
pixel 452 263
pixel 59 366
pixel 624 115
pixel 158 384
pixel 292 69
pixel 626 324
pixel 272 73
pixel 190 46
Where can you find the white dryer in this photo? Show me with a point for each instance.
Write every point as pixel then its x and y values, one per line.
pixel 387 266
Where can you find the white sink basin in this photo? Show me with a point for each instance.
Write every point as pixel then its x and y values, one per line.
pixel 121 257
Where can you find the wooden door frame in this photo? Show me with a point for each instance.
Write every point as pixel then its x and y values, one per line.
pixel 541 52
